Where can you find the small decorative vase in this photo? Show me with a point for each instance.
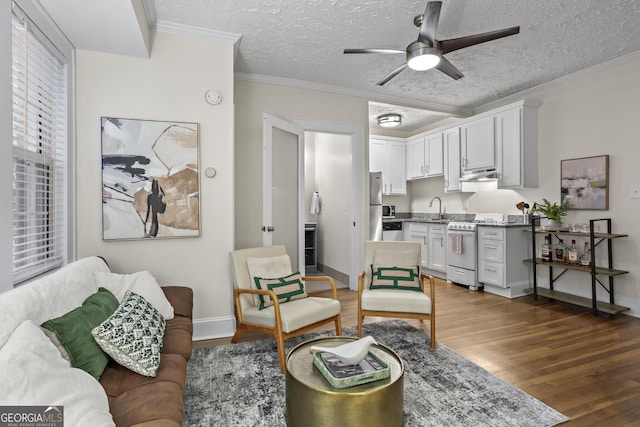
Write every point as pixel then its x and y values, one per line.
pixel 552 224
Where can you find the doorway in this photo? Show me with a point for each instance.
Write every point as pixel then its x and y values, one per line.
pixel 347 208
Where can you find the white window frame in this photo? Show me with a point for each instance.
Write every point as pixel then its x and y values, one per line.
pixel 48 34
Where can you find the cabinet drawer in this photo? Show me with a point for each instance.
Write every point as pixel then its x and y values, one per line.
pixel 491 273
pixel 461 276
pixel 491 233
pixel 437 228
pixel 491 250
pixel 419 226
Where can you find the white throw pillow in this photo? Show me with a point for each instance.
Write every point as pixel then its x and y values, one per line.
pixel 32 372
pixel 141 283
pixel 267 268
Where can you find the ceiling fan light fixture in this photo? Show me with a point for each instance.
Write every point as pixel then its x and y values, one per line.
pixel 390 120
pixel 421 57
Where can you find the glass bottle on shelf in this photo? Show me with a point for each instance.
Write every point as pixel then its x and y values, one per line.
pixel 560 251
pixel 546 249
pixel 572 253
pixel 585 257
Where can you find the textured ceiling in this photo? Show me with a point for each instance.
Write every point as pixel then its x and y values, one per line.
pixel 303 40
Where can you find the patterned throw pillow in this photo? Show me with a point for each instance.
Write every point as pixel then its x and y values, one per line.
pixel 133 335
pixel 406 278
pixel 286 288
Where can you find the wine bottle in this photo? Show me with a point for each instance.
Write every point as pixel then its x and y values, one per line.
pixel 572 253
pixel 546 249
pixel 585 257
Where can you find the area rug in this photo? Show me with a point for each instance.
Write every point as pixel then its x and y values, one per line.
pixel 241 385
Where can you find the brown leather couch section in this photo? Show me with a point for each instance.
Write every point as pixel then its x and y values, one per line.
pixel 136 400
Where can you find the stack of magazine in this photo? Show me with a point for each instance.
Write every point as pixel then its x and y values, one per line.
pixel 342 375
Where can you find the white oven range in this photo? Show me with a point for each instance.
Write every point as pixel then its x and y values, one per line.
pixel 462 250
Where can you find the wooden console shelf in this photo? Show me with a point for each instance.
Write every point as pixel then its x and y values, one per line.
pixel 595 239
pixel 577 300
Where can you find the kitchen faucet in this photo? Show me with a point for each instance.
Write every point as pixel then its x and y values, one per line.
pixel 440 216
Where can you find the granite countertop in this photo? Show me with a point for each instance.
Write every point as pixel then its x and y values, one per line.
pixel 512 220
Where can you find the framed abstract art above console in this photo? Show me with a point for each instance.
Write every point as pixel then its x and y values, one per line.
pixel 585 182
pixel 150 183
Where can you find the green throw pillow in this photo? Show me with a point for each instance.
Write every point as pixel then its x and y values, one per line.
pixel 133 335
pixel 406 278
pixel 286 288
pixel 73 331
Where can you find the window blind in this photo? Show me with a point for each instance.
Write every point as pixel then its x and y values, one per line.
pixel 39 151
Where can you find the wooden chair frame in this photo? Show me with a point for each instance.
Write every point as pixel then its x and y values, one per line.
pixel 401 314
pixel 276 331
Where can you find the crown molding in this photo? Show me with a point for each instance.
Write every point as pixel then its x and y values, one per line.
pixel 369 96
pixel 189 30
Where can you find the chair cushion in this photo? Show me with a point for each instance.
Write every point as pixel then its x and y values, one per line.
pixel 295 314
pixel 405 278
pixel 276 266
pixel 395 300
pixel 286 288
pixel 133 335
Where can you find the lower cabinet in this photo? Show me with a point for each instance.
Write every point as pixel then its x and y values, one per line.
pixel 500 266
pixel 432 239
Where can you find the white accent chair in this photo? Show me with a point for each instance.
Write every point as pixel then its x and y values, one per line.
pixel 396 303
pixel 282 320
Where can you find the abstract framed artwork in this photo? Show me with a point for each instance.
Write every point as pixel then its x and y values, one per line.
pixel 150 182
pixel 585 182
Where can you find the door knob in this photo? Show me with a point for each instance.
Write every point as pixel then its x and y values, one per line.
pixel 270 228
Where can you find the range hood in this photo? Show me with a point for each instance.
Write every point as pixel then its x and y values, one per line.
pixel 479 180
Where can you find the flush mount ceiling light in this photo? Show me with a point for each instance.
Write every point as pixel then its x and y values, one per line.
pixel 421 57
pixel 390 120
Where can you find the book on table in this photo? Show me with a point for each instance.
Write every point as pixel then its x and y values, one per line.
pixel 342 375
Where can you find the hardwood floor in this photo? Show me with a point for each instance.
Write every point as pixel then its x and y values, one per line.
pixel 587 368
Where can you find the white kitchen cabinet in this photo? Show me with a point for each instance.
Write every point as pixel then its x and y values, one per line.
pixel 437 247
pixel 425 156
pixel 500 266
pixel 451 138
pixel 517 146
pixel 478 144
pixel 419 232
pixel 415 158
pixel 388 156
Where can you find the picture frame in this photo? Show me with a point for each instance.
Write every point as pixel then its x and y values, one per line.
pixel 584 182
pixel 150 179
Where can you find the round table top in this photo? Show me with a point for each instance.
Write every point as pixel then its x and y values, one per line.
pixel 300 365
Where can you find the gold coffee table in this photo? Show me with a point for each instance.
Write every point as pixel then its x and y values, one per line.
pixel 311 401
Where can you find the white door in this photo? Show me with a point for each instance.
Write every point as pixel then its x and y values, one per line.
pixel 283 187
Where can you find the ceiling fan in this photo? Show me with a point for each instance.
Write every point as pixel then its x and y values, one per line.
pixel 427 52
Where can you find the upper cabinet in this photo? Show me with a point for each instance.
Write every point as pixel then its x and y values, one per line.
pixel 425 156
pixel 451 138
pixel 517 146
pixel 478 144
pixel 387 155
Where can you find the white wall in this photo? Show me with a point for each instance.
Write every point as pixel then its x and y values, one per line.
pixel 590 116
pixel 333 182
pixel 168 86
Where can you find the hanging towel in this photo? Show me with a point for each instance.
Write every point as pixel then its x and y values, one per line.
pixel 456 242
pixel 315 203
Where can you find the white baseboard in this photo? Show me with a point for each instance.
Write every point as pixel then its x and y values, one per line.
pixel 514 291
pixel 215 327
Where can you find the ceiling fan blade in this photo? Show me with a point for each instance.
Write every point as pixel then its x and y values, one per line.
pixel 447 67
pixel 450 45
pixel 429 24
pixel 375 50
pixel 391 75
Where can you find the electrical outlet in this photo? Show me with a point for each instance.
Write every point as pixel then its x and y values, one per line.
pixel 634 191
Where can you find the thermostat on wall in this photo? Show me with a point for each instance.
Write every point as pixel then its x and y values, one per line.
pixel 213 97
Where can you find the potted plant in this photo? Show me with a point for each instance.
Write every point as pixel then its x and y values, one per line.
pixel 553 211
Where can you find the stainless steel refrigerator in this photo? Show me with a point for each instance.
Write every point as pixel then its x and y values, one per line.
pixel 375 206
